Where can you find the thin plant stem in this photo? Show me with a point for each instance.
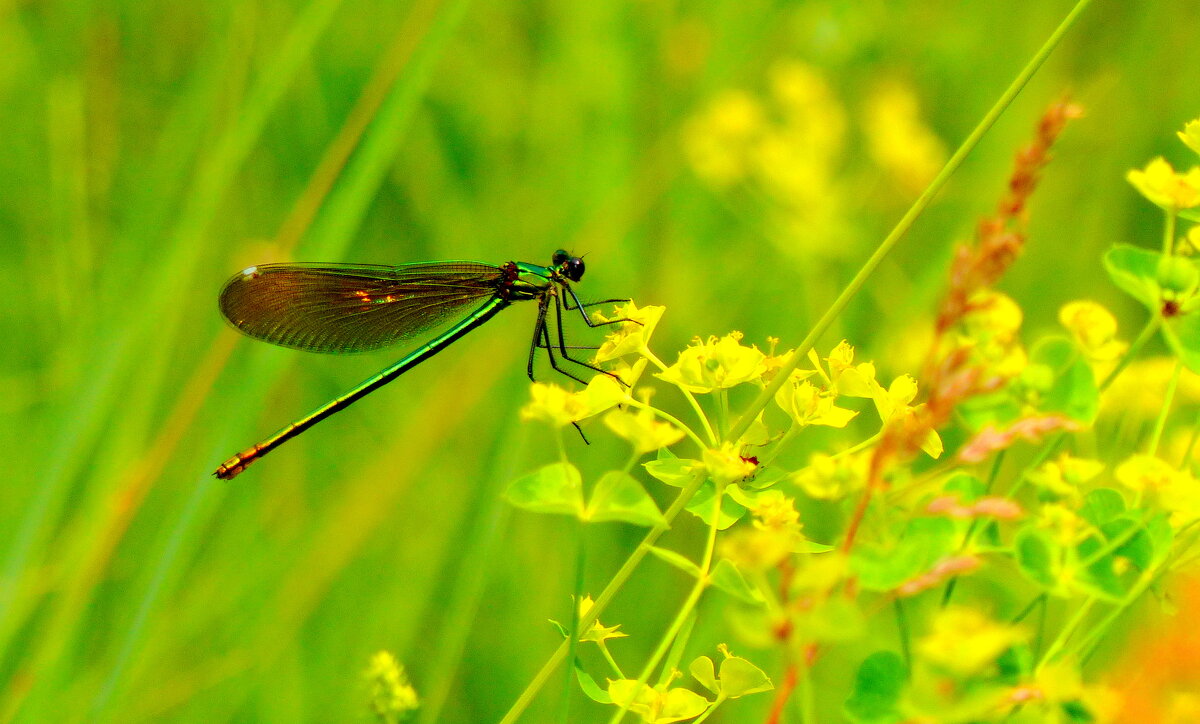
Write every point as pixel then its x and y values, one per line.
pixel 687 394
pixel 685 611
pixel 1067 631
pixel 573 629
pixel 605 598
pixel 905 223
pixel 1135 347
pixel 1168 400
pixel 1186 462
pixel 902 631
pixel 1169 233
pixel 671 419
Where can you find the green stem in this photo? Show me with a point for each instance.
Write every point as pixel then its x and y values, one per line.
pixel 807 702
pixel 671 419
pixel 685 611
pixel 1169 233
pixel 1067 631
pixel 711 708
pixel 708 431
pixel 885 247
pixel 573 627
pixel 611 661
pixel 1168 400
pixel 1187 455
pixel 606 596
pixel 902 630
pixel 1144 336
pixel 722 397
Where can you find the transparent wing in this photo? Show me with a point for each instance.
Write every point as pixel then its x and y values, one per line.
pixel 352 307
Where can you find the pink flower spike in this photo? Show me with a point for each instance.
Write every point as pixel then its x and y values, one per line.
pixel 991 439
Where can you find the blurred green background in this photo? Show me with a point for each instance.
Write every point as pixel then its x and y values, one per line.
pixel 733 161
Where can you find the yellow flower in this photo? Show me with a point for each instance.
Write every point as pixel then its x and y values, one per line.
pixel 993 316
pixel 848 378
pixel 829 477
pixel 991 326
pixel 1061 521
pixel 630 337
pixel 964 642
pixel 558 407
pixel 656 705
pixel 1176 490
pixel 1191 135
pixel 1066 475
pixel 1166 188
pixel 758 549
pixel 1094 329
pixel 715 364
pixel 642 430
pixel 717 141
pixel 726 465
pixel 899 140
pixel 1192 244
pixel 1145 472
pixel 597 632
pixel 393 698
pixel 807 404
pixel 892 403
pixel 773 510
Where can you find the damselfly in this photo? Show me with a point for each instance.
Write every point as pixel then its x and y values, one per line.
pixel 343 308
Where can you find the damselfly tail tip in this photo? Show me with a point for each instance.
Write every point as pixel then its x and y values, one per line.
pixel 231 468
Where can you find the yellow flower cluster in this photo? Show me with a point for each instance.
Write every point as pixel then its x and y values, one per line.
pixel 898 138
pixel 715 364
pixel 964 642
pixel 393 698
pixel 1166 188
pixel 787 146
pixel 1176 490
pixel 1094 329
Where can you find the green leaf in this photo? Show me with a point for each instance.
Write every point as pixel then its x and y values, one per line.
pixel 701 506
pixel 1137 547
pixel 676 560
pixel 739 677
pixel 1102 505
pixel 671 470
pixel 968 487
pixel 808 546
pixel 1100 578
pixel 1182 333
pixel 726 576
pixel 590 687
pixel 1161 535
pixel 999 409
pixel 877 688
pixel 618 496
pixel 1135 271
pixel 925 541
pixel 834 619
pixel 556 488
pixel 1073 390
pixel 1035 555
pixel 765 476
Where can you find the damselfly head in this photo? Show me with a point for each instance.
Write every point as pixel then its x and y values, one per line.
pixel 570 266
